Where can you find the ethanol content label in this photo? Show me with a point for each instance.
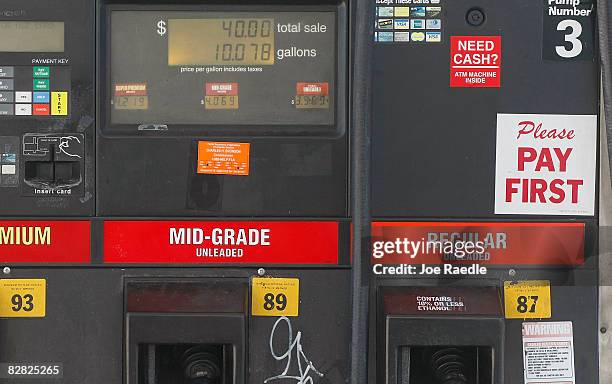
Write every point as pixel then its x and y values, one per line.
pixel 548 353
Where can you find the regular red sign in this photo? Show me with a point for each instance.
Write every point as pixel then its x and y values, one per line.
pixel 44 242
pixel 213 242
pixel 482 243
pixel 475 61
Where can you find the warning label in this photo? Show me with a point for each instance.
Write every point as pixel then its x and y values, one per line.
pixel 548 353
pixel 475 61
pixel 220 158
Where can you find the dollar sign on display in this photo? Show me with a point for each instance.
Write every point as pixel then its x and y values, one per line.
pixel 161 27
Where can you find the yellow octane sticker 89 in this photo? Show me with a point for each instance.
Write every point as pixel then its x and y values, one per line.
pixel 23 297
pixel 527 299
pixel 275 296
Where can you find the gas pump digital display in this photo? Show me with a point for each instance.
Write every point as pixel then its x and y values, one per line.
pixel 254 68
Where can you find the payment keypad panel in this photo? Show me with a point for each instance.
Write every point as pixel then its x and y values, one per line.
pixel 35 91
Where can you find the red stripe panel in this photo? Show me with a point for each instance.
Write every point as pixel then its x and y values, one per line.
pixel 221 242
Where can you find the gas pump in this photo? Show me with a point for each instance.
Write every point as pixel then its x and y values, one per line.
pixel 174 191
pixel 484 193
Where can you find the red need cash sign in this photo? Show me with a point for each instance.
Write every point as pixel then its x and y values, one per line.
pixel 475 61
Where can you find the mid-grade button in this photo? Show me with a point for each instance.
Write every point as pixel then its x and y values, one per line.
pixel 7 109
pixel 7 84
pixel 41 97
pixel 23 97
pixel 7 71
pixel 23 109
pixel 7 97
pixel 40 109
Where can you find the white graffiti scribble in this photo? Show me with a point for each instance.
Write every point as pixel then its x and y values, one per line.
pixel 305 367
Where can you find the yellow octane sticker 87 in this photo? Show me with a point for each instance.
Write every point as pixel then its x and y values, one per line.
pixel 527 299
pixel 23 297
pixel 275 296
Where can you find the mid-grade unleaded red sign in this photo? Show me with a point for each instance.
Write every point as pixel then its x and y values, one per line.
pixel 220 89
pixel 206 242
pixel 44 242
pixel 475 61
pixel 484 243
pixel 545 164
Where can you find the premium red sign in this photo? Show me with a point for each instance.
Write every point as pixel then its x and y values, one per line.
pixel 475 61
pixel 132 89
pixel 481 243
pixel 44 242
pixel 206 242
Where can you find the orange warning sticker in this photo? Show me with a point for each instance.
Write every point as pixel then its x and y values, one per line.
pixel 219 158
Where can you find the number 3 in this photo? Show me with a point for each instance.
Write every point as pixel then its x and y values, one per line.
pixel 570 38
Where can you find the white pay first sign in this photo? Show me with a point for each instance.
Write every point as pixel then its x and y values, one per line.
pixel 545 164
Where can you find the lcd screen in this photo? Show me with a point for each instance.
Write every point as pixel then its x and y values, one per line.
pixel 223 68
pixel 31 36
pixel 228 41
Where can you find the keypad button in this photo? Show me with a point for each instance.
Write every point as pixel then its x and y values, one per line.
pixel 40 109
pixel 7 84
pixel 41 97
pixel 7 109
pixel 7 72
pixel 7 97
pixel 40 84
pixel 23 97
pixel 23 109
pixel 59 103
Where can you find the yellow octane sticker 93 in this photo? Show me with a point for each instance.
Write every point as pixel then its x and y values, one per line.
pixel 527 299
pixel 275 296
pixel 23 297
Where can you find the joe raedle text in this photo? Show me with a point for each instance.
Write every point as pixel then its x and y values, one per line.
pixel 429 270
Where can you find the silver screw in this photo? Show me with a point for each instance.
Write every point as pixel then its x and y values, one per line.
pixel 6 270
pixel 261 271
pixel 512 272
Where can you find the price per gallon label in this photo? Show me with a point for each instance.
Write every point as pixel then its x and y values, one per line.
pixel 527 299
pixel 275 296
pixel 23 297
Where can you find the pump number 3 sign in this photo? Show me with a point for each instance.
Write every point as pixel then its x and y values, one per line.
pixel 568 30
pixel 527 299
pixel 23 297
pixel 275 296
